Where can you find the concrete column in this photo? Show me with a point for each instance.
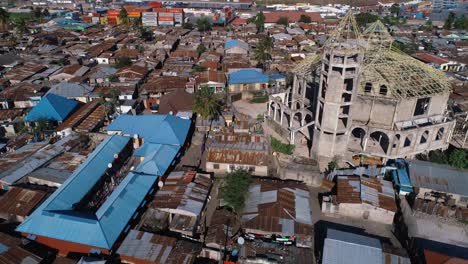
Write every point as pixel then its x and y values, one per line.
pixel 281 117
pixel 268 108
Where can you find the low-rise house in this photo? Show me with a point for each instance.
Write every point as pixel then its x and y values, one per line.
pixel 155 88
pixel 345 247
pixel 176 102
pixel 280 211
pixel 18 203
pixel 234 46
pixel 88 118
pixel 157 249
pixel 218 232
pixel 132 74
pixel 76 91
pixel 293 16
pixel 12 251
pixel 8 118
pixel 245 80
pixel 102 75
pixel 180 203
pixel 69 72
pixel 23 72
pixel 53 108
pixel 22 95
pixel 362 197
pixel 440 63
pixel 215 80
pixel 230 152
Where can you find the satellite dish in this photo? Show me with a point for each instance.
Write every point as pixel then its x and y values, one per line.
pixel 116 156
pixel 240 241
pixel 160 184
pixel 132 168
pixel 135 136
pixel 109 165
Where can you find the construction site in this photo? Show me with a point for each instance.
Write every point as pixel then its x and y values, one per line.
pixel 363 97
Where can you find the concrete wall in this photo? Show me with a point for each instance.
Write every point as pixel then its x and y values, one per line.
pixel 359 211
pixel 225 168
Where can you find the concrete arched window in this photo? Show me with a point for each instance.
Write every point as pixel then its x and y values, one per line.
pixel 440 133
pixel 383 90
pixel 424 137
pixel 368 87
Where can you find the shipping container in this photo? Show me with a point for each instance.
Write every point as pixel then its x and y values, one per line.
pixel 134 14
pixel 175 10
pixel 155 4
pixel 165 19
pixel 113 13
pixel 166 23
pixel 165 14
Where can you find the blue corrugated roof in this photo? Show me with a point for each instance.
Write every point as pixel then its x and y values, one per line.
pixel 158 158
pixel 171 129
pixel 55 217
pixel 235 43
pixel 52 107
pixel 86 176
pixel 247 76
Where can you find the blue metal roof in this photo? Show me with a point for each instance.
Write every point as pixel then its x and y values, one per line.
pixel 52 107
pixel 86 176
pixel 247 76
pixel 158 158
pixel 277 77
pixel 171 129
pixel 55 218
pixel 235 43
pixel 400 175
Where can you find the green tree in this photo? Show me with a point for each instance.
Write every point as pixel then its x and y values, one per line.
pixel 203 24
pixel 113 78
pixel 258 20
pixel 123 16
pixel 136 24
pixel 458 158
pixel 363 19
pixel 206 103
pixel 395 9
pixel 332 165
pixel 461 23
pixel 37 12
pixel 283 21
pixel 235 189
pixel 21 27
pixel 305 19
pixel 123 62
pixel 145 34
pixel 277 146
pixel 450 20
pixel 262 52
pixel 4 18
pixel 200 49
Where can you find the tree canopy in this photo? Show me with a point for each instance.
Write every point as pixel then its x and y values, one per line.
pixel 123 62
pixel 363 19
pixel 283 21
pixel 4 18
pixel 259 21
pixel 395 9
pixel 206 103
pixel 305 19
pixel 200 49
pixel 234 190
pixel 123 16
pixel 203 24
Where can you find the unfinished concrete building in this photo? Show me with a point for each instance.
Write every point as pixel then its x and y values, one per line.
pixel 362 96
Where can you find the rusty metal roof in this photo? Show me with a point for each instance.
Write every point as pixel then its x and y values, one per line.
pixel 20 202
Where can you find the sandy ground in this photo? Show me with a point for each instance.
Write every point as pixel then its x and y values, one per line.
pixel 245 107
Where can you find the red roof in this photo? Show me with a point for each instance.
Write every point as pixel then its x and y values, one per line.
pixel 429 58
pixel 239 21
pixel 293 16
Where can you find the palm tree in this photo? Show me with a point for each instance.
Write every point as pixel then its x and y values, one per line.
pixel 206 103
pixel 21 27
pixel 261 55
pixel 4 18
pixel 123 16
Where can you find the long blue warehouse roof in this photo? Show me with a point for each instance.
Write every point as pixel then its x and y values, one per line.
pixel 246 76
pixel 55 218
pixel 157 129
pixel 51 107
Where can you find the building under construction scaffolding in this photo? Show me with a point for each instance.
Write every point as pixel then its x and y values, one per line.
pixel 362 96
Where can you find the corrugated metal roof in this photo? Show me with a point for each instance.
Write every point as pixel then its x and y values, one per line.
pixel 157 159
pixel 343 247
pixel 245 76
pixel 438 177
pixel 172 130
pixel 71 90
pixel 51 107
pixel 236 43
